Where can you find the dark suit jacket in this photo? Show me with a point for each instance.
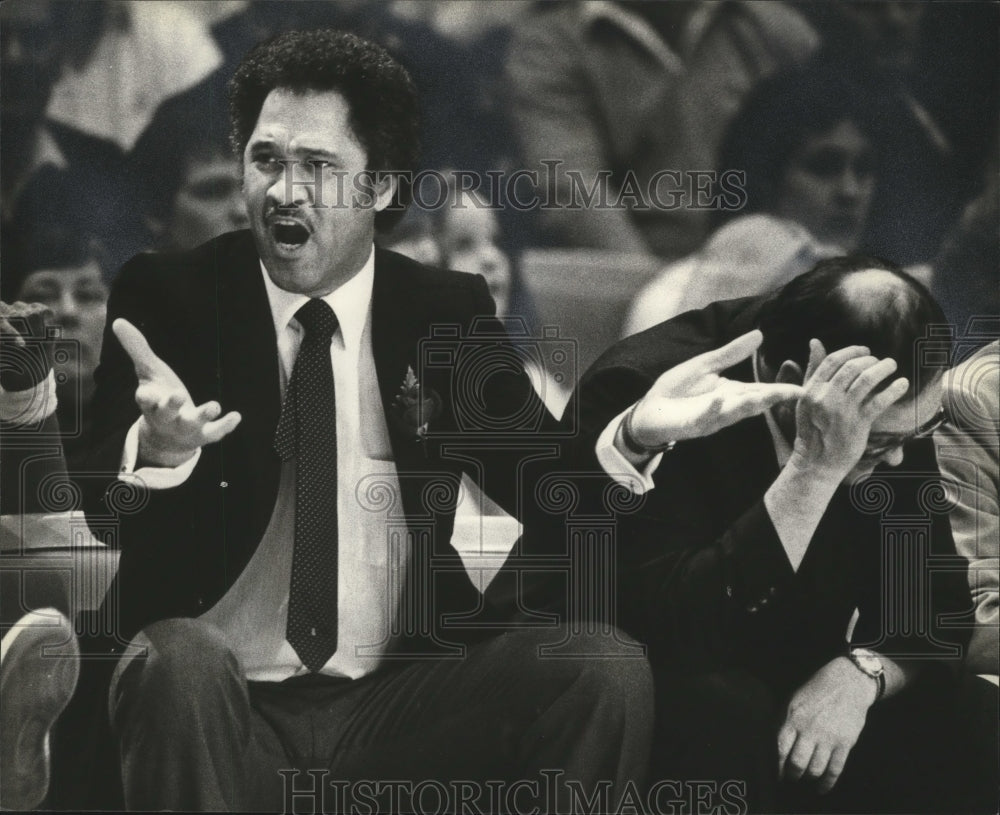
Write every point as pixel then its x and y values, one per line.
pixel 205 312
pixel 703 576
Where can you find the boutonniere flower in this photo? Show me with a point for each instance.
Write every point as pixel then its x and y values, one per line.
pixel 415 407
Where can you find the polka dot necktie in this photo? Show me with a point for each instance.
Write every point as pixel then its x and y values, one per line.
pixel 307 432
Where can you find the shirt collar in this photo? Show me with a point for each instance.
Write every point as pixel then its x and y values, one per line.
pixel 350 302
pixel 782 449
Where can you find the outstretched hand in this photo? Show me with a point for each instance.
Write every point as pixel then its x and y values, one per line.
pixel 172 427
pixel 692 399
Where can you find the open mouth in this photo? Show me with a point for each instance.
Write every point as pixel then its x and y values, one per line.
pixel 290 235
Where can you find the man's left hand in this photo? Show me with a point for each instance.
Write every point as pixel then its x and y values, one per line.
pixel 824 720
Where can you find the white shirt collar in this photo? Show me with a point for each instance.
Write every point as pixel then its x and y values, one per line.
pixel 350 302
pixel 782 449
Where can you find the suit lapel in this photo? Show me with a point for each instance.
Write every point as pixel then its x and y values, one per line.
pixel 247 369
pixel 743 455
pixel 399 321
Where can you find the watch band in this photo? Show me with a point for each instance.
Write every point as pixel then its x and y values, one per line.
pixel 858 657
pixel 633 445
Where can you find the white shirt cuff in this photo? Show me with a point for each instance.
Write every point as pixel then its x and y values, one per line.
pixel 29 406
pixel 155 478
pixel 620 468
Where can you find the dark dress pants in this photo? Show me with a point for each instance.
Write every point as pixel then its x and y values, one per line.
pixel 930 749
pixel 194 734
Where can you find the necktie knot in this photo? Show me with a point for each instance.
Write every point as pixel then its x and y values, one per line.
pixel 318 320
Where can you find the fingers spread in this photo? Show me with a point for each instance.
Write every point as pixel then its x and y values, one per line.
pixel 208 412
pixel 851 370
pixel 817 353
pixel 730 354
pixel 147 397
pixel 833 362
pixel 135 345
pixel 218 430
pixel 872 377
pixel 881 402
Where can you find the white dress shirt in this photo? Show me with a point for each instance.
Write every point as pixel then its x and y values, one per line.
pixel 253 613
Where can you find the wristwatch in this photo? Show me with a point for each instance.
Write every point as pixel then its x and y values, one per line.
pixel 869 663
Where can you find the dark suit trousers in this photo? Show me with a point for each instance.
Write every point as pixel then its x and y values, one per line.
pixel 194 734
pixel 930 749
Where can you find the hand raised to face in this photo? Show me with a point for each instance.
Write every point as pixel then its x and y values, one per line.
pixel 834 418
pixel 172 427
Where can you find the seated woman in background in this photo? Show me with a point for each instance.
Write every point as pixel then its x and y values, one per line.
pixel 806 142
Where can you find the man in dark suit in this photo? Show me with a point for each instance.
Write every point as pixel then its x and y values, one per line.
pixel 755 545
pixel 254 645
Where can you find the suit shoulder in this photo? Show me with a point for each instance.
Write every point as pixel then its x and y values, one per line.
pixel 178 267
pixel 662 346
pixel 420 274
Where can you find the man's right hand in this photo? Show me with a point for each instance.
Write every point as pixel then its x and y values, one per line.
pixel 835 416
pixel 693 399
pixel 172 428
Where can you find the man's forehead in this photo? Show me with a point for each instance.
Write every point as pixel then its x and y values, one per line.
pixel 316 120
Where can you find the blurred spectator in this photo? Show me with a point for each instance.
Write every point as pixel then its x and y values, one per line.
pixel 919 60
pixel 966 273
pixel 727 49
pixel 134 66
pixel 207 202
pixel 471 241
pixel 63 271
pixel 968 450
pixel 806 141
pixel 592 86
pixel 50 177
pixel 198 189
pixel 30 61
pixel 414 236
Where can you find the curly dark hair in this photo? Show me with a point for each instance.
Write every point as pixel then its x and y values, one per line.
pixel 380 95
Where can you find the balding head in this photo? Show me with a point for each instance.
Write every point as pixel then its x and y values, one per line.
pixel 858 300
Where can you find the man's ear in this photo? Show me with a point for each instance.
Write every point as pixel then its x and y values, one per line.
pixel 790 373
pixel 385 190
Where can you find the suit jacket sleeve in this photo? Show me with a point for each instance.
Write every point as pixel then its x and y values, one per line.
pixel 142 294
pixel 692 574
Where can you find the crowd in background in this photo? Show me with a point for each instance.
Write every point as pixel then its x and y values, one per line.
pixel 852 126
pixel 782 132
